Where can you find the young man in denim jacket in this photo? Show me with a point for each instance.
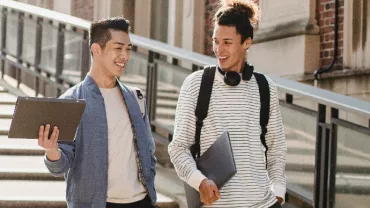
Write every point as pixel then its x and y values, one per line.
pixel 110 163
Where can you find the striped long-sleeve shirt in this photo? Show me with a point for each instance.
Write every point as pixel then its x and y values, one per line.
pixel 236 110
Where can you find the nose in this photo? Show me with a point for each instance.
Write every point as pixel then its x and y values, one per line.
pixel 124 55
pixel 219 48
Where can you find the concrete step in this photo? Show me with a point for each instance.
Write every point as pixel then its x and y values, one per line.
pixel 19 146
pixel 24 168
pixel 160 88
pixel 15 193
pixel 164 103
pixel 167 95
pixel 6 111
pixel 38 194
pixel 7 99
pixel 167 122
pixel 2 89
pixel 165 113
pixel 4 126
pixel 137 79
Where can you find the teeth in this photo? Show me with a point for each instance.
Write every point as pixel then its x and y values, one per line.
pixel 222 57
pixel 121 65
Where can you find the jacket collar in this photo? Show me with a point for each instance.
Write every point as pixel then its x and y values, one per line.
pixel 91 85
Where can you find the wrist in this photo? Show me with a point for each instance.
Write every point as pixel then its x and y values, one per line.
pixel 53 154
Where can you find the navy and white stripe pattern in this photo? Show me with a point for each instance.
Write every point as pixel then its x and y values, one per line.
pixel 237 110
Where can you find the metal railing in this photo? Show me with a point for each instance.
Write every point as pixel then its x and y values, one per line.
pixel 294 97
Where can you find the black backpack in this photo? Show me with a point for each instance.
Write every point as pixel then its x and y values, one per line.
pixel 204 96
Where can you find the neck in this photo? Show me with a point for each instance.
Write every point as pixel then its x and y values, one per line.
pixel 238 68
pixel 102 78
pixel 241 67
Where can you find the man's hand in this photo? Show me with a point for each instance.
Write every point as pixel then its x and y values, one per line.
pixel 49 144
pixel 281 200
pixel 209 192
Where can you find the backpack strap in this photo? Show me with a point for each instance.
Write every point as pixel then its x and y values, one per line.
pixel 264 90
pixel 201 110
pixel 139 98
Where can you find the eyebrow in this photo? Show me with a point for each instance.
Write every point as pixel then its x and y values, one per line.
pixel 120 43
pixel 222 39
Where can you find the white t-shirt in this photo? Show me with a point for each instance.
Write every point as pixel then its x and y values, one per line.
pixel 123 183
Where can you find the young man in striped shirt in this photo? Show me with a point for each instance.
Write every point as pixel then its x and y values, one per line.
pixel 233 107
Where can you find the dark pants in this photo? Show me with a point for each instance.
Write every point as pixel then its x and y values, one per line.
pixel 145 203
pixel 276 205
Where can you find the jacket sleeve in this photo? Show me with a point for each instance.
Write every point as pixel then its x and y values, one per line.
pixel 67 149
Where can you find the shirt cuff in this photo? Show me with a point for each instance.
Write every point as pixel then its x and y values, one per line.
pixel 196 179
pixel 279 190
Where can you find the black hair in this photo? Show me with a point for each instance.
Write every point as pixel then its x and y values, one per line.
pixel 242 14
pixel 100 30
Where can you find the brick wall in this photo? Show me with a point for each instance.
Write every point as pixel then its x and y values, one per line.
pixel 83 9
pixel 211 8
pixel 326 19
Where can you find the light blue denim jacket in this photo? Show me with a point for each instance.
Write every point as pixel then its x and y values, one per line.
pixel 84 161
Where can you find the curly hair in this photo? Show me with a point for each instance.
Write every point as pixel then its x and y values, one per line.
pixel 242 14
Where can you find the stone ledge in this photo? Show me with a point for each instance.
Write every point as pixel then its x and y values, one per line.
pixel 281 31
pixel 347 72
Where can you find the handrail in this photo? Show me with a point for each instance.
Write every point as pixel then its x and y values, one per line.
pixel 45 13
pixel 336 100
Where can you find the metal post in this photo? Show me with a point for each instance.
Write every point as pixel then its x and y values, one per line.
pixel 38 45
pixel 289 98
pixel 325 167
pixel 154 91
pixel 19 45
pixel 3 39
pixel 149 84
pixel 85 56
pixel 194 68
pixel 175 61
pixel 48 75
pixel 320 147
pixel 332 159
pixel 60 56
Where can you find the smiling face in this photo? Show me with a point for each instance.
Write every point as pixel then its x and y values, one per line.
pixel 229 50
pixel 112 59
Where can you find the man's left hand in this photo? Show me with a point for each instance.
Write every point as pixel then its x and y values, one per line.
pixel 281 200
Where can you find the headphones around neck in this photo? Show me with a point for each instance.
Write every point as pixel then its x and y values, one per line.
pixel 234 78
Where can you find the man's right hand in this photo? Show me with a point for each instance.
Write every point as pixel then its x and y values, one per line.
pixel 209 192
pixel 49 144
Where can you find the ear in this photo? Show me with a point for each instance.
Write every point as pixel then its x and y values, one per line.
pixel 95 49
pixel 247 43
